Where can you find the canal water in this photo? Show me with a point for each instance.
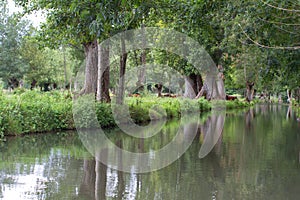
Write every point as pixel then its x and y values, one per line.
pixel 256 155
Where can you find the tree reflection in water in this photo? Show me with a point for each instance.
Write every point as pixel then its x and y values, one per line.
pixel 257 156
pixel 120 185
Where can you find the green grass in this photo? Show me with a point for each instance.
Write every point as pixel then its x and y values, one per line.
pixel 32 111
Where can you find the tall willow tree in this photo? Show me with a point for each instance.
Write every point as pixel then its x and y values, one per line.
pixel 86 23
pixel 71 23
pixel 227 29
pixel 195 19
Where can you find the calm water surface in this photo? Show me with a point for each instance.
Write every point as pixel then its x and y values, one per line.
pixel 256 157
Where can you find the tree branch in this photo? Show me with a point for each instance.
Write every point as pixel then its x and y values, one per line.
pixel 279 8
pixel 294 33
pixel 269 47
pixel 280 23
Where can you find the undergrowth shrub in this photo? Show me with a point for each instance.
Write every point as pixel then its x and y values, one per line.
pixel 34 111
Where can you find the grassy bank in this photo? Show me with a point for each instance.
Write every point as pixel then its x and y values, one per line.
pixel 33 111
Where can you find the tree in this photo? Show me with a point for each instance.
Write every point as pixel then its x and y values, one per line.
pixel 12 29
pixel 196 19
pixel 72 23
pixel 103 74
pixel 87 23
pixel 229 31
pixel 272 27
pixel 47 66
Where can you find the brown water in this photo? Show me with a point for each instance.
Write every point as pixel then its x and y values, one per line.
pixel 256 157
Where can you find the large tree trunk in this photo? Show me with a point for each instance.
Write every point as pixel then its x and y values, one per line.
pixel 142 71
pixel 219 93
pixel 199 83
pixel 91 68
pixel 213 87
pixel 103 74
pixel 249 91
pixel 193 84
pixel 190 87
pixel 123 59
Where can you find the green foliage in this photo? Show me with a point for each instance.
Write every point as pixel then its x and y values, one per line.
pixel 204 104
pixel 238 104
pixel 33 111
pixel 248 38
pixel 12 31
pixel 298 111
pixel 46 66
pixel 81 22
pixel 104 114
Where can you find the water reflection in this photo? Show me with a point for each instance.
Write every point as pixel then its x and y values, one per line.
pixel 145 154
pixel 257 156
pixel 39 167
pixel 289 113
pixel 212 130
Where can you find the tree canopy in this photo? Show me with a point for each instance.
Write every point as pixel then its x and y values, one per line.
pixel 254 41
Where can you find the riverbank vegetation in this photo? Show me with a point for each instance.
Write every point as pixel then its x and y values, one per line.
pixel 66 53
pixel 33 111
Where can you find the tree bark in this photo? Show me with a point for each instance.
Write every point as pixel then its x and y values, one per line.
pixel 220 88
pixel 65 68
pixel 189 91
pixel 91 68
pixel 297 94
pixel 159 88
pixel 213 87
pixel 193 84
pixel 103 74
pixel 142 71
pixel 289 95
pixel 199 82
pixel 123 59
pixel 249 91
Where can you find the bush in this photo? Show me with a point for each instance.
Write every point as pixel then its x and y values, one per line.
pixel 104 115
pixel 34 111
